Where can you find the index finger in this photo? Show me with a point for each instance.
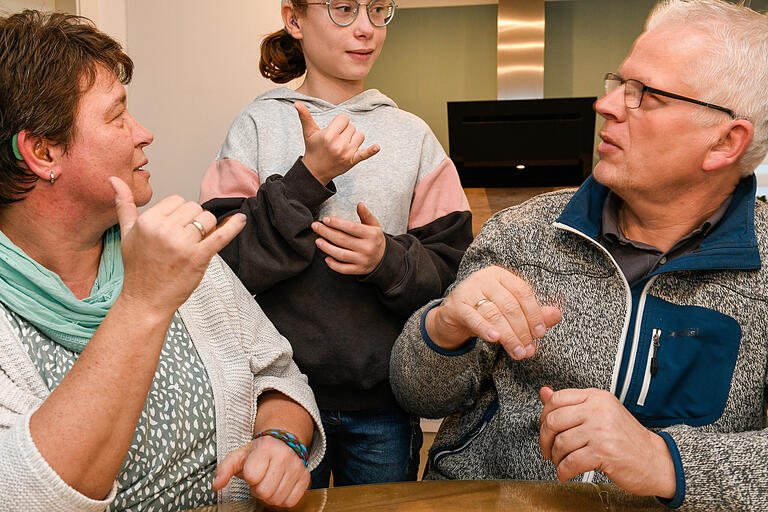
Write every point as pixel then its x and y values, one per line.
pixel 231 465
pixel 350 227
pixel 339 124
pixel 564 398
pixel 549 427
pixel 533 312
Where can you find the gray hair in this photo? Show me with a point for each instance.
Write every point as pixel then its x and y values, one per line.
pixel 732 69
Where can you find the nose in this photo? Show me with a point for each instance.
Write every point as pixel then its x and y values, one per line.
pixel 141 136
pixel 362 25
pixel 611 106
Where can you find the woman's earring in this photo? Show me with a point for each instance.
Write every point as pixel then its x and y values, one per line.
pixel 53 178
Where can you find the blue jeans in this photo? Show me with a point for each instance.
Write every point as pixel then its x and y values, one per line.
pixel 368 447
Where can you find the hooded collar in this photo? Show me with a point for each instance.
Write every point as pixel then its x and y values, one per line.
pixel 366 101
pixel 731 245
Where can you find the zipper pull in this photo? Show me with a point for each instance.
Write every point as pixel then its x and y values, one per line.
pixel 654 359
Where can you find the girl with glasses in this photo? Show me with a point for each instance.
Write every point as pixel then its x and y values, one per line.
pixel 356 218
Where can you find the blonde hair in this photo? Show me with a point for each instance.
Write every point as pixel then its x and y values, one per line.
pixel 732 68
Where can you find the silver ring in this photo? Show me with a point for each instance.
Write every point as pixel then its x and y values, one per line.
pixel 481 302
pixel 199 227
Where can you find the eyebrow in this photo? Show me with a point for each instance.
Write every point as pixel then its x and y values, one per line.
pixel 120 101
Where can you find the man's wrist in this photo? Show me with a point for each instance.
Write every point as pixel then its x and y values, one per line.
pixel 664 470
pixel 432 323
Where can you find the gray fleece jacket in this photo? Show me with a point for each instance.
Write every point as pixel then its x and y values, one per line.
pixel 702 317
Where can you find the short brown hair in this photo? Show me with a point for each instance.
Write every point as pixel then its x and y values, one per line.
pixel 47 62
pixel 282 58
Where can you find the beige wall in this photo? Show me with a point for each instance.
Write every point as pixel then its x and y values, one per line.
pixel 11 6
pixel 586 39
pixel 436 55
pixel 196 67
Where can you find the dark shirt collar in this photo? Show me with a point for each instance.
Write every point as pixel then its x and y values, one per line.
pixel 731 244
pixel 612 231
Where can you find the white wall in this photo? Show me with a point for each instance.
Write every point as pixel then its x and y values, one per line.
pixel 11 6
pixel 109 16
pixel 196 67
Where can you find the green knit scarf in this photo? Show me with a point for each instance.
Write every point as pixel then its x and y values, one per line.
pixel 41 297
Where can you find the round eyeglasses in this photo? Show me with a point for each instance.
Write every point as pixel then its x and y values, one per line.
pixel 634 90
pixel 344 12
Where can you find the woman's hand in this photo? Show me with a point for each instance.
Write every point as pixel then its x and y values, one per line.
pixel 164 254
pixel 495 305
pixel 354 248
pixel 335 149
pixel 273 471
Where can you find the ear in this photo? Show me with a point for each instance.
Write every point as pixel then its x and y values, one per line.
pixel 291 21
pixel 734 139
pixel 41 157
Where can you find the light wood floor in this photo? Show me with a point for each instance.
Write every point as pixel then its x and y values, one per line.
pixel 484 202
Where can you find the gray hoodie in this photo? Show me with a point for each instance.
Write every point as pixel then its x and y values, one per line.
pixel 342 327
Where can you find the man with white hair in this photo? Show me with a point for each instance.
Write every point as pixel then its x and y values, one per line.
pixel 655 378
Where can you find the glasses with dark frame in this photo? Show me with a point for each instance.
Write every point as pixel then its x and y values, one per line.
pixel 635 89
pixel 344 12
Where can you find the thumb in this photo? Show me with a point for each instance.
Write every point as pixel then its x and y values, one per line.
pixel 552 315
pixel 366 217
pixel 308 125
pixel 124 204
pixel 545 393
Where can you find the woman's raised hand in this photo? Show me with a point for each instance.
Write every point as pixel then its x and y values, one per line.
pixel 333 150
pixel 167 249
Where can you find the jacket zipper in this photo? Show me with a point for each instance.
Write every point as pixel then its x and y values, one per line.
pixel 589 476
pixel 635 339
pixel 651 366
pixel 625 328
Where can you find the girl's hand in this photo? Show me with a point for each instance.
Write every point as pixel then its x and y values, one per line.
pixel 335 149
pixel 354 248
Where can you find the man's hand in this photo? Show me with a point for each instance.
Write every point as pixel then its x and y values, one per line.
pixel 495 305
pixel 589 429
pixel 335 149
pixel 354 248
pixel 164 254
pixel 273 471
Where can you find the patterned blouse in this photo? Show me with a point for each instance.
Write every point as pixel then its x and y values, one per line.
pixel 172 457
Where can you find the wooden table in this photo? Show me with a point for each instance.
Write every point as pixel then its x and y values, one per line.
pixel 462 495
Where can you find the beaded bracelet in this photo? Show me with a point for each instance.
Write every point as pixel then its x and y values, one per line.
pixel 289 439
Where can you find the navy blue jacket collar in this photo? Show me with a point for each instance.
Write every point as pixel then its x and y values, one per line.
pixel 731 245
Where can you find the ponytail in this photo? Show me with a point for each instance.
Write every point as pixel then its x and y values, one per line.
pixel 282 58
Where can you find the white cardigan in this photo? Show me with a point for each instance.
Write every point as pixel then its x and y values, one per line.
pixel 243 354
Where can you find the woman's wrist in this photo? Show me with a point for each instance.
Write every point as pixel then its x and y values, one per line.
pixel 293 442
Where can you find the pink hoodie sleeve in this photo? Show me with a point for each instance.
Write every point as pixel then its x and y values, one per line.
pixel 228 178
pixel 437 195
